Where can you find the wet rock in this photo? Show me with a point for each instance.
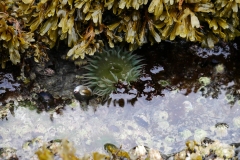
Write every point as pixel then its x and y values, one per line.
pixel 43 70
pixel 59 78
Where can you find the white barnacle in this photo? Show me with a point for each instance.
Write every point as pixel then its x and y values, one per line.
pixel 188 106
pixel 221 129
pixel 236 122
pixel 219 69
pixel 199 134
pixel 154 154
pixel 186 134
pixel 137 152
pixel 204 81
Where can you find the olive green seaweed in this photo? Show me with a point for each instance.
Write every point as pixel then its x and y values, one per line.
pixel 195 150
pixel 29 27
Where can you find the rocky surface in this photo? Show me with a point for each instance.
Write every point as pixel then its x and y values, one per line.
pixel 59 76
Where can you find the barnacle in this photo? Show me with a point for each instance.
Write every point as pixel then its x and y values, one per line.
pixel 221 129
pixel 154 154
pixel 199 134
pixel 186 134
pixel 138 152
pixel 8 153
pixel 219 69
pixel 205 81
pixel 236 122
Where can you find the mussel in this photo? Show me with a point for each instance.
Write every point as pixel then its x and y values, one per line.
pixel 46 99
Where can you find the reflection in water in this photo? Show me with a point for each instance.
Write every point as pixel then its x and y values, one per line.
pixel 180 96
pixel 186 67
pixel 7 84
pixel 164 123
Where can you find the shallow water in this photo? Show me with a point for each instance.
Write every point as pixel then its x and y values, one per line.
pixel 7 83
pixel 164 123
pixel 168 106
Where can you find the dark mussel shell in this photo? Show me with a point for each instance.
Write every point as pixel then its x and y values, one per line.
pixel 46 99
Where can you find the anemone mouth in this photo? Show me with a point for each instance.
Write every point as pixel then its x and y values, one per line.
pixel 114 68
pixel 106 69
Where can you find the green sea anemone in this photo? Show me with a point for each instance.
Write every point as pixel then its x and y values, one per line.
pixel 109 67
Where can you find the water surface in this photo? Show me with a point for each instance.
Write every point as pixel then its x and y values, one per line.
pixel 177 98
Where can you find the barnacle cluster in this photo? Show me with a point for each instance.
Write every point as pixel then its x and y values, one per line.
pixel 5 110
pixel 8 153
pixel 139 152
pixel 83 24
pixel 63 148
pixel 208 149
pixel 66 151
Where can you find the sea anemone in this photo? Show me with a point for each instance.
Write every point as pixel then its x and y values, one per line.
pixel 111 66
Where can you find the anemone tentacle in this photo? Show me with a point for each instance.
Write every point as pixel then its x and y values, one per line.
pixel 106 69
